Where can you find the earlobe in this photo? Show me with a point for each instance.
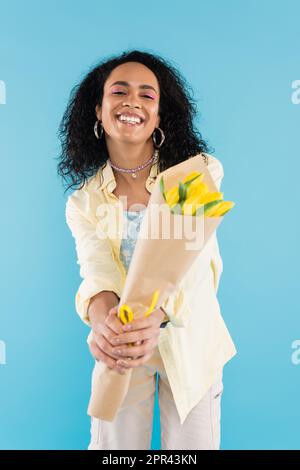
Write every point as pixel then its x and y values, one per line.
pixel 98 112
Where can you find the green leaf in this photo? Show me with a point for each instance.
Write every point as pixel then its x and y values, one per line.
pixel 210 204
pixel 182 192
pixel 187 184
pixel 162 187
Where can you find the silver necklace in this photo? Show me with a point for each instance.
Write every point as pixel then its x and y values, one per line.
pixel 133 171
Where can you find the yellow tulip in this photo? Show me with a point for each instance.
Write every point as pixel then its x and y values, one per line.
pixel 196 188
pixel 193 193
pixel 219 209
pixel 224 207
pixel 195 199
pixel 196 178
pixel 192 203
pixel 212 197
pixel 192 175
pixel 172 196
pixel 210 212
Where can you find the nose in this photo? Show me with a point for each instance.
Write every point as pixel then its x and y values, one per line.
pixel 132 101
pixel 132 106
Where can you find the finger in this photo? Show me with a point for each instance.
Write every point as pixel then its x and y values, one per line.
pixel 136 351
pixel 101 356
pixel 103 329
pixel 140 324
pixel 131 337
pixel 103 342
pixel 113 320
pixel 133 363
pixel 137 343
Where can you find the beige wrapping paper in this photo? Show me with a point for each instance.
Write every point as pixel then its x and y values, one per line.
pixel 166 248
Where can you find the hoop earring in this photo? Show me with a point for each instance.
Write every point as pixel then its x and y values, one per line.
pixel 162 137
pixel 96 129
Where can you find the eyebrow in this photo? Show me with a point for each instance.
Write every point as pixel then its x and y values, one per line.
pixel 120 82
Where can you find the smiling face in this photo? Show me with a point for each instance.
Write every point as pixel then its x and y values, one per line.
pixel 130 104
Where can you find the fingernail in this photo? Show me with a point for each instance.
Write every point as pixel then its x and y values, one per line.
pixel 127 327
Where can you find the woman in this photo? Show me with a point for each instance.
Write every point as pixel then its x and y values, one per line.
pixel 130 118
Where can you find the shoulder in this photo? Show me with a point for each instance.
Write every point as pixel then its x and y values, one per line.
pixel 83 199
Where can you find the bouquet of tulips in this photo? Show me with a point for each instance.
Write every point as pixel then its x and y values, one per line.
pixel 183 193
pixel 193 197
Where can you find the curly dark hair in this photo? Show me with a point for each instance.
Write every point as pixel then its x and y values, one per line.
pixel 82 154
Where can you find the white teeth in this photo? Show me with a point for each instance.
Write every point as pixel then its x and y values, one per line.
pixel 129 119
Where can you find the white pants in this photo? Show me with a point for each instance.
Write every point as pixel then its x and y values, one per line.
pixel 132 427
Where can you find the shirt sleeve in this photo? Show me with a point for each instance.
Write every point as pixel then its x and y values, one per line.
pixel 94 256
pixel 217 172
pixel 176 308
pixel 216 263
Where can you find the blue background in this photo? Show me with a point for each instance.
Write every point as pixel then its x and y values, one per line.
pixel 241 59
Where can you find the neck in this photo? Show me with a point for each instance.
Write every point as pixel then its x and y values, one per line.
pixel 130 156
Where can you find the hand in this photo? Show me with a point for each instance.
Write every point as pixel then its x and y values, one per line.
pixel 147 331
pixel 104 330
